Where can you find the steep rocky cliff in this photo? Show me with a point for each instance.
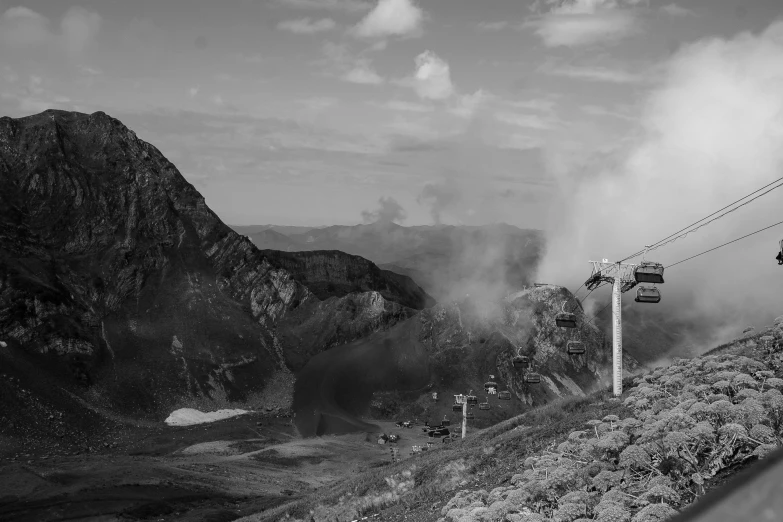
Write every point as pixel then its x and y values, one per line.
pixel 331 272
pixel 120 285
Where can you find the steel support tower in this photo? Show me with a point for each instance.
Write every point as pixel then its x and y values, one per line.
pixel 621 277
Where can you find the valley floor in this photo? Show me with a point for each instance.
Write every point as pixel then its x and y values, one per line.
pixel 211 472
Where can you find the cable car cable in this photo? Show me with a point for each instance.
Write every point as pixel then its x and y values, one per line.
pixel 724 244
pixel 661 242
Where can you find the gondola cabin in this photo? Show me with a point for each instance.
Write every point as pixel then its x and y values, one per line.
pixel 532 378
pixel 504 395
pixel 646 294
pixel 490 384
pixel 648 272
pixel 470 415
pixel 456 407
pixel 565 320
pixel 575 348
pixel 445 421
pixel 472 399
pixel 484 406
pixel 520 361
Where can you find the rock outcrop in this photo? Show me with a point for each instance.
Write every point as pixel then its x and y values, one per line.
pixel 119 284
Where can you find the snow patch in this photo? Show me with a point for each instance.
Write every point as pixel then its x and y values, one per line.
pixel 189 416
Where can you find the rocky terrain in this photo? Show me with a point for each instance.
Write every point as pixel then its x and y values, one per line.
pixel 121 291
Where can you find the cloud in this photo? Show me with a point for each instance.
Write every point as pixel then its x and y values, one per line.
pixel 193 91
pixel 584 22
pixel 440 197
pixel 307 26
pixel 432 79
pixel 493 26
pixel 530 121
pixel 363 74
pixel 399 105
pixel 709 133
pixel 676 10
pixel 350 6
pixel 391 18
pixel 23 27
pixel 388 211
pixel 593 74
pixel 79 28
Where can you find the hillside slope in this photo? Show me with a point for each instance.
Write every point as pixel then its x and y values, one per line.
pixel 120 286
pixel 675 434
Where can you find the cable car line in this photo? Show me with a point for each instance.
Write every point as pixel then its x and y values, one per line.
pixel 724 244
pixel 664 240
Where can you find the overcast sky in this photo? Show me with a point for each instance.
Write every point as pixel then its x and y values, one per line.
pixel 308 112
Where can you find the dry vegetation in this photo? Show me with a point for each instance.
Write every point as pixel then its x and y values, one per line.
pixel 674 434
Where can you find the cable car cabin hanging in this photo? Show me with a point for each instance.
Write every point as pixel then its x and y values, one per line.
pixel 490 384
pixel 520 361
pixel 779 257
pixel 484 405
pixel 649 272
pixel 646 294
pixel 565 320
pixel 469 415
pixel 505 395
pixel 445 421
pixel 472 399
pixel 456 407
pixel 532 378
pixel 575 348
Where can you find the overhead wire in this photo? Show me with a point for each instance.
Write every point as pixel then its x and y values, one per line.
pixel 668 239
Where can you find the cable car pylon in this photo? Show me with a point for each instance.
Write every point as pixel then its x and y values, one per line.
pixel 623 277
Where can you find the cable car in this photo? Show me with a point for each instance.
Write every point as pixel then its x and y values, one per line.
pixel 484 405
pixel 575 348
pixel 532 378
pixel 647 294
pixel 565 320
pixel 469 415
pixel 490 384
pixel 779 257
pixel 456 407
pixel 445 421
pixel 649 272
pixel 520 361
pixel 505 395
pixel 472 399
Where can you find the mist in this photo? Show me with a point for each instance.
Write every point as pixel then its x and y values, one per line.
pixel 709 133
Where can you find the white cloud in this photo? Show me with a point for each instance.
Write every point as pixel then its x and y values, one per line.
pixel 711 132
pixel 529 121
pixel 391 18
pixel 593 74
pixel 399 105
pixel 79 28
pixel 363 74
pixel 676 10
pixel 23 27
pixel 468 105
pixel 583 22
pixel 432 79
pixel 193 92
pixel 307 26
pixel 351 6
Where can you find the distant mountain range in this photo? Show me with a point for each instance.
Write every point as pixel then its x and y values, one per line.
pixel 447 261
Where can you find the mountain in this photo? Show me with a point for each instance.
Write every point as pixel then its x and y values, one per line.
pixel 451 349
pixel 121 290
pixel 447 261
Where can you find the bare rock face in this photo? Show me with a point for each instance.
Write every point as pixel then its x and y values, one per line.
pixel 122 286
pixel 469 341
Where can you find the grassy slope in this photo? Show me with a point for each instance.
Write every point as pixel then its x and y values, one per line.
pixel 735 421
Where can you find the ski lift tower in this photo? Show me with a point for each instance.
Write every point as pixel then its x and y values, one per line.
pixel 621 276
pixel 461 399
